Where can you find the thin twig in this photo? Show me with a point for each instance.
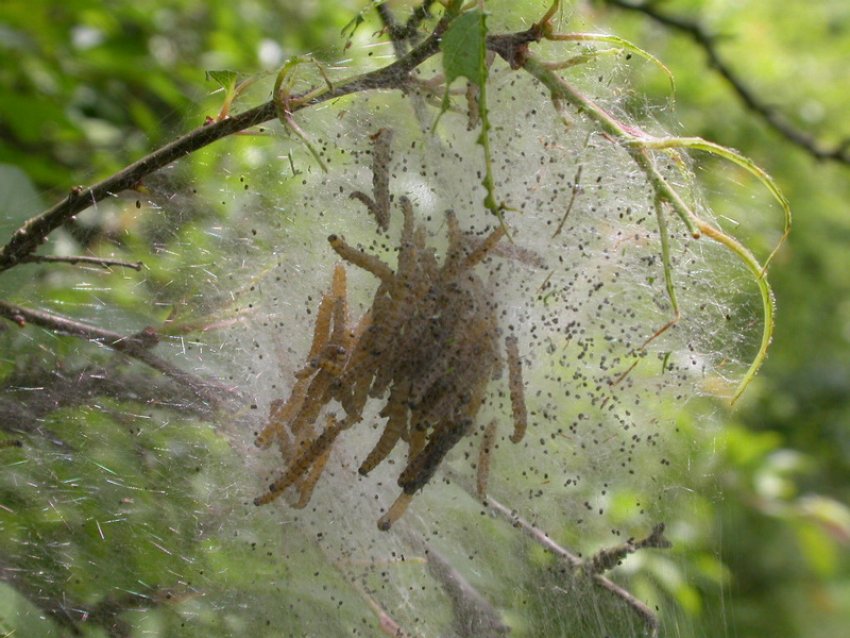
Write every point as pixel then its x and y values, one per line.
pixel 474 615
pixel 574 193
pixel 24 241
pixel 402 37
pixel 103 262
pixel 34 232
pixel 141 341
pixel 386 623
pixel 574 561
pixel 607 559
pixel 397 33
pixel 773 118
pixel 400 33
pixel 420 13
pixel 33 391
pixel 137 346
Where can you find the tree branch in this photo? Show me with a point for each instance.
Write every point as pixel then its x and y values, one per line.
pixel 402 37
pixel 33 392
pixel 35 231
pixel 396 31
pixel 607 559
pixel 103 262
pixel 578 565
pixel 575 562
pixel 774 119
pixel 137 346
pixel 24 241
pixel 474 615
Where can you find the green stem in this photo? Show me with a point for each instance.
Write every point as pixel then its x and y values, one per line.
pixel 638 144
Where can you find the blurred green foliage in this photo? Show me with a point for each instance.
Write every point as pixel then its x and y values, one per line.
pixel 87 87
pixel 785 459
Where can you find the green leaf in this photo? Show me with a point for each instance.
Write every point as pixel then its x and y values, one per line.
pixel 464 49
pixel 225 79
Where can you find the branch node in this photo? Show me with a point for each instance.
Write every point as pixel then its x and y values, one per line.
pixel 607 559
